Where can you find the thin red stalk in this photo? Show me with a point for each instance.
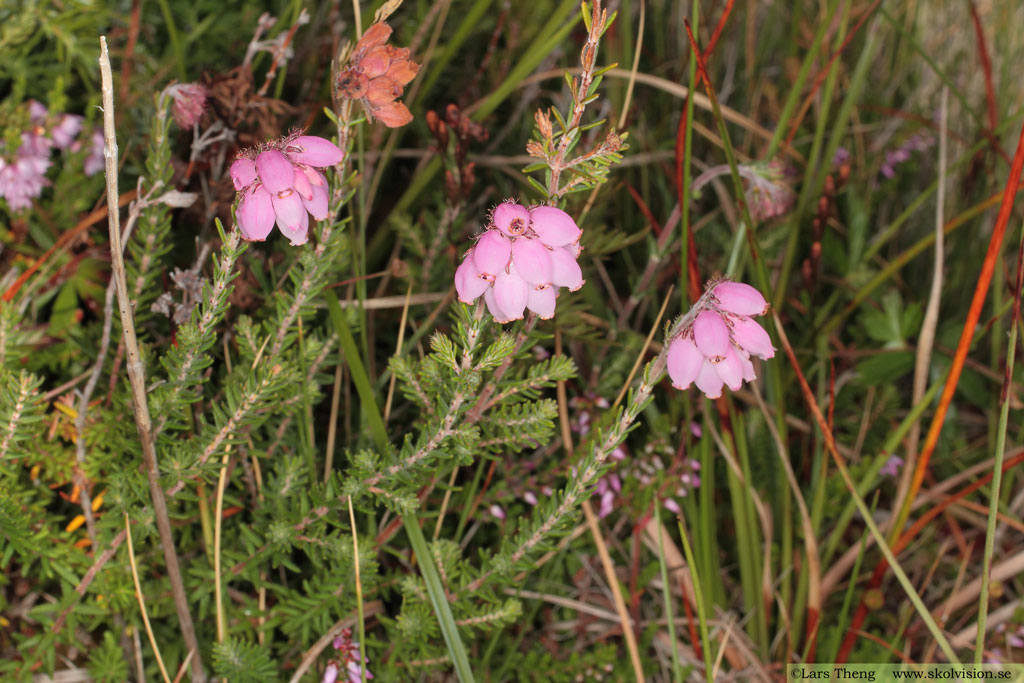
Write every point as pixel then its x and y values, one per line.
pixel 823 74
pixel 644 209
pixel 718 30
pixel 973 314
pixel 986 66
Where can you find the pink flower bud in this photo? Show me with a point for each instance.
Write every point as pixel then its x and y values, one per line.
pixel 292 218
pixel 243 173
pixel 752 338
pixel 511 219
pixel 511 293
pixel 740 298
pixel 684 362
pixel 541 300
pixel 189 103
pixel 275 171
pixel 314 151
pixel 554 227
pixel 530 497
pixel 497 512
pixel 673 507
pixel 708 380
pixel 330 673
pixel 565 272
pixel 468 282
pixel 730 370
pixel 711 335
pixel 255 214
pixel 532 259
pixel 492 253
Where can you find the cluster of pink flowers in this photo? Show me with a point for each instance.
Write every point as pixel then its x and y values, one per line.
pixel 348 660
pixel 714 347
pixel 279 182
pixel 521 261
pixel 23 170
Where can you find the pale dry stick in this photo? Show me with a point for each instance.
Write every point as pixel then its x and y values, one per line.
pixel 1007 569
pixel 926 339
pixel 595 530
pixel 136 371
pixel 184 667
pixel 967 636
pixel 569 603
pixel 398 350
pixel 371 609
pixel 643 351
pixel 142 602
pixel 716 667
pixel 810 540
pixel 444 502
pixel 332 426
pixel 218 596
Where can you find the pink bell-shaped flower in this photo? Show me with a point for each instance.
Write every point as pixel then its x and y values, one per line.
pixel 533 260
pixel 752 338
pixel 511 292
pixel 255 214
pixel 711 335
pixel 511 219
pixel 554 227
pixel 314 151
pixel 492 253
pixel 684 362
pixel 469 283
pixel 740 298
pixel 275 171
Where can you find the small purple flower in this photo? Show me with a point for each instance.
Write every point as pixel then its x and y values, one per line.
pixel 280 184
pixel 521 261
pixel 892 466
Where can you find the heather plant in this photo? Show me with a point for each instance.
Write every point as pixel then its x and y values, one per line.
pixel 424 341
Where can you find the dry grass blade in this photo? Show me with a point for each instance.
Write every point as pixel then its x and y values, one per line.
pixel 142 602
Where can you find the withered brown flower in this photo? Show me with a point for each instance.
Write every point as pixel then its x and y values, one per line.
pixel 377 74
